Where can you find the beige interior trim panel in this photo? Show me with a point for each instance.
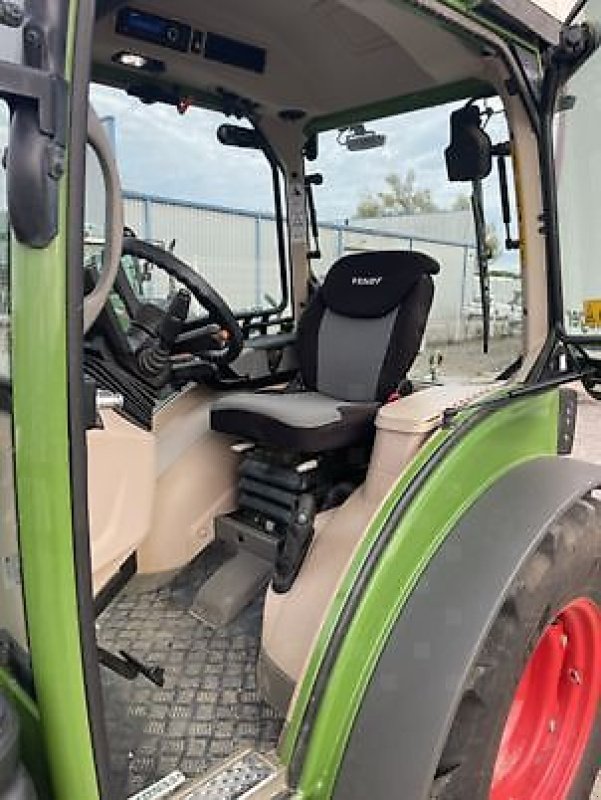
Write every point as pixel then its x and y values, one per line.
pixel 121 489
pixel 293 620
pixel 157 493
pixel 195 481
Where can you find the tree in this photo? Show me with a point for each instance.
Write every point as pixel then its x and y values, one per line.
pixel 493 245
pixel 462 202
pixel 402 196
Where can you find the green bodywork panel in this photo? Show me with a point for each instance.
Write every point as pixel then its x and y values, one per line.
pixel 45 525
pixel 523 430
pixel 41 424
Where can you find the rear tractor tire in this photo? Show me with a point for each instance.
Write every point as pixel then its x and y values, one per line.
pixel 528 726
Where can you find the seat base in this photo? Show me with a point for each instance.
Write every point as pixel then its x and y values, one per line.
pixel 304 422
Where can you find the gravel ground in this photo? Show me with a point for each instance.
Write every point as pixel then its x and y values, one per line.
pixel 588 446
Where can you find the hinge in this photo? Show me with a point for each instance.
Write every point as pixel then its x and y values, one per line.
pixel 48 91
pixel 38 98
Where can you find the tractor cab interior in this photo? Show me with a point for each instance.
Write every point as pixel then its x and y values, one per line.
pixel 264 361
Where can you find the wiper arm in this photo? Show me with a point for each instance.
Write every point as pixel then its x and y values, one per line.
pixel 526 390
pixel 482 255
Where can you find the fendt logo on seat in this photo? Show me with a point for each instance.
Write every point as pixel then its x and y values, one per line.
pixel 358 281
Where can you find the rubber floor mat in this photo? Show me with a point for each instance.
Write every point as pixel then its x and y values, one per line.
pixel 209 707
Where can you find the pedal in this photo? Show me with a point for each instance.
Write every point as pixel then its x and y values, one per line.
pixel 129 667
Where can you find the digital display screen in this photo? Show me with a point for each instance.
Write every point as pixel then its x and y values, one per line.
pixel 235 53
pixel 151 28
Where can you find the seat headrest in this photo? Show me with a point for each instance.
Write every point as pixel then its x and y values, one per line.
pixel 373 284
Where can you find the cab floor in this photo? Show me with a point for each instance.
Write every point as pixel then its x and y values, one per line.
pixel 209 707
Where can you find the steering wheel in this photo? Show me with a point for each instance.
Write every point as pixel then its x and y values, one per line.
pixel 219 312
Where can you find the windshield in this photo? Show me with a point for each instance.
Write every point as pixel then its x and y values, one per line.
pixel 398 196
pixel 213 206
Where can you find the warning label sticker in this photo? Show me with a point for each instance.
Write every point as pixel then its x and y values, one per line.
pixel 592 313
pixel 11 571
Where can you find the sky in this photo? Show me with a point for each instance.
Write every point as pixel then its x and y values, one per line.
pixel 162 152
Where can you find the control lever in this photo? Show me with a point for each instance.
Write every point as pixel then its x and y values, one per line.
pixel 153 358
pixel 129 667
pixel 294 545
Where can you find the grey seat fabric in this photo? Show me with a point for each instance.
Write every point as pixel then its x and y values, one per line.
pixel 303 421
pixel 356 340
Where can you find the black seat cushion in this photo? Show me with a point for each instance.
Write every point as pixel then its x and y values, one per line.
pixel 304 422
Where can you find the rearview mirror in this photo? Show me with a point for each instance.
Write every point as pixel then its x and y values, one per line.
pixel 469 156
pixel 237 136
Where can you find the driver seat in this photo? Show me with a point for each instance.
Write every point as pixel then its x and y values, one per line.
pixel 357 339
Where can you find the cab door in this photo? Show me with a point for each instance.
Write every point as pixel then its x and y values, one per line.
pixel 48 665
pixel 572 180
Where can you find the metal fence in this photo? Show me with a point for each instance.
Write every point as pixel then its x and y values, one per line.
pixel 236 251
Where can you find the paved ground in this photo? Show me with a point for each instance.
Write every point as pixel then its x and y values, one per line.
pixel 588 445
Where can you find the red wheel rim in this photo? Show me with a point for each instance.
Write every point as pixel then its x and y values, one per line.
pixel 554 710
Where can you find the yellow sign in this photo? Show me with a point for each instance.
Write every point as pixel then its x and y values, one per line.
pixel 592 313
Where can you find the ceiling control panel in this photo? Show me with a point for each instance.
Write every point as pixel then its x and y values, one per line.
pixel 180 36
pixel 157 30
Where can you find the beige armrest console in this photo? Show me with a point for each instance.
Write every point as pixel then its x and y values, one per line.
pixel 422 412
pixel 292 620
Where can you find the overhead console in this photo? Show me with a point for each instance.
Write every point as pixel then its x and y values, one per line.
pixel 180 36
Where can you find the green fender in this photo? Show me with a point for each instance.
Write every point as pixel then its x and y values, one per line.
pixel 457 466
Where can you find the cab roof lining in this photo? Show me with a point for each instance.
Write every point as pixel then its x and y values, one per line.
pixel 324 57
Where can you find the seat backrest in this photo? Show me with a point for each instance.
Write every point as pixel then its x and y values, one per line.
pixel 362 329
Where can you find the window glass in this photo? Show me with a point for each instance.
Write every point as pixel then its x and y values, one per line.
pixel 12 617
pixel 211 204
pixel 578 166
pixel 398 196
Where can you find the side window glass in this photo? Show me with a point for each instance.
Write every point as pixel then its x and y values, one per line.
pixel 12 617
pixel 578 169
pixel 397 196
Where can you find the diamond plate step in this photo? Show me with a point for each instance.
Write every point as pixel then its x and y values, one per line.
pixel 246 775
